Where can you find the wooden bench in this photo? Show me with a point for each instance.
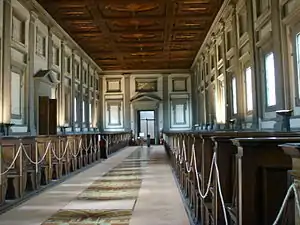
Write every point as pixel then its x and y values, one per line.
pixel 293 151
pixel 43 145
pixel 261 179
pixel 225 155
pixel 40 159
pixel 3 178
pixel 17 173
pixel 206 143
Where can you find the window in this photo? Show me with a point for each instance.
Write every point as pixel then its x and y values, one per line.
pixel 270 79
pixel 249 97
pixel 234 95
pixel 83 112
pixel 75 109
pixel 90 113
pixel 298 61
pixel 220 103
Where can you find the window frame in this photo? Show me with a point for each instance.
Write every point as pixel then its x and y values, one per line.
pixel 267 107
pixel 221 98
pixel 266 48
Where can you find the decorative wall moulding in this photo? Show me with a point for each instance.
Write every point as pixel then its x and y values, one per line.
pixel 179 85
pixel 113 97
pixel 113 85
pixel 145 85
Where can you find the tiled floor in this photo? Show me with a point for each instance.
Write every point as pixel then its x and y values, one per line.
pixel 133 187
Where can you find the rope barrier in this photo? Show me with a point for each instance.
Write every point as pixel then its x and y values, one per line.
pixel 13 162
pixel 291 189
pixel 39 161
pixel 181 156
pixel 42 159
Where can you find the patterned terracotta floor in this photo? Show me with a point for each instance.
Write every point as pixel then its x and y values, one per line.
pixel 90 217
pixel 150 186
pixel 114 185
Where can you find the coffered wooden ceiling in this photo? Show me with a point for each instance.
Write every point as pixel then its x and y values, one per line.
pixel 136 34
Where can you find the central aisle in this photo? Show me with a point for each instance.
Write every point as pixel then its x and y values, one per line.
pixel 133 187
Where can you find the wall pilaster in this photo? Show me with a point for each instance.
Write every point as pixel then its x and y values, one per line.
pixel 30 79
pixel 166 110
pixel 6 66
pixel 127 109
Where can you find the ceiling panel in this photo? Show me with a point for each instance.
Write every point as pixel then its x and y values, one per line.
pixel 136 34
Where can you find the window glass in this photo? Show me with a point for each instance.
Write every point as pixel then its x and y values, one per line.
pixel 75 109
pixel 298 61
pixel 249 98
pixel 234 95
pixel 270 79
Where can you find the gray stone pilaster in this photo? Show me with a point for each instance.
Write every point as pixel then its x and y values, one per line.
pixel 166 103
pixel 87 107
pixel 62 86
pixel 194 98
pixel 256 78
pixel 94 110
pixel 278 56
pixel 81 96
pixel 73 92
pixel 127 109
pixel 30 80
pixel 101 104
pixel 6 66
